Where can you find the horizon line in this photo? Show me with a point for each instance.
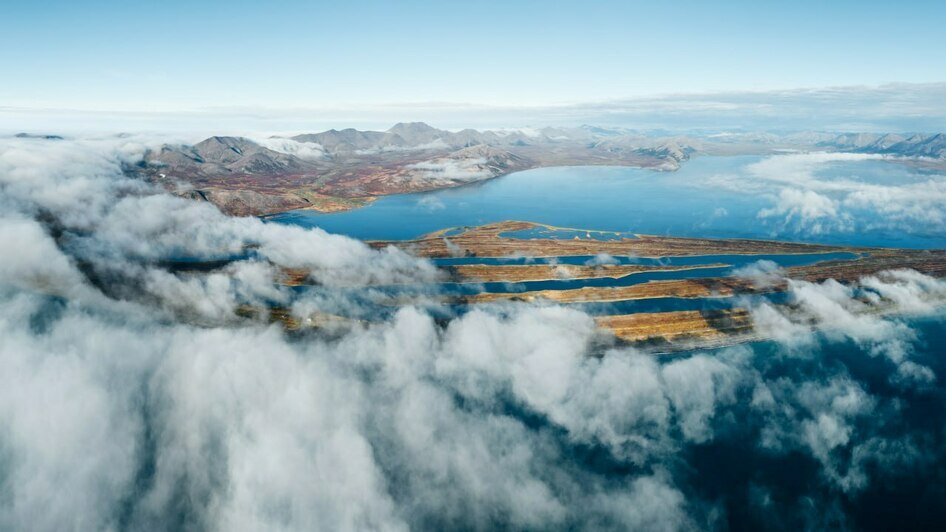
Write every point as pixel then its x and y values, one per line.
pixel 470 106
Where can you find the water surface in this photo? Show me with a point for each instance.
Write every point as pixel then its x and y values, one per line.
pixel 710 196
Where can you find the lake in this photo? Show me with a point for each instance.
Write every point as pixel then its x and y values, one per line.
pixel 710 196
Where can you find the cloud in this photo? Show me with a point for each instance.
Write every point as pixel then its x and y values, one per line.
pixel 431 203
pixel 309 151
pixel 761 273
pixel 601 259
pixel 904 205
pixel 808 211
pixel 37 264
pixel 910 291
pixel 808 199
pixel 437 144
pixel 469 169
pixel 847 312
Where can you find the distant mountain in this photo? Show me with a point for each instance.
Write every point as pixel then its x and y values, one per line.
pixel 490 160
pixel 402 136
pixel 421 136
pixel 226 155
pixel 35 136
pixel 418 133
pixel 851 141
pixel 351 140
pixel 603 132
pixel 674 150
pixel 885 142
pixel 669 150
pixel 921 146
pixel 916 145
pixel 467 165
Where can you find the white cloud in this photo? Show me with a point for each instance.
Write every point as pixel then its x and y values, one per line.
pixel 309 151
pixel 761 273
pixel 842 312
pixel 431 203
pixel 807 202
pixel 601 259
pixel 469 169
pixel 437 144
pixel 807 210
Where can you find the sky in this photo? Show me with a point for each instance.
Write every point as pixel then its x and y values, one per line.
pixel 180 56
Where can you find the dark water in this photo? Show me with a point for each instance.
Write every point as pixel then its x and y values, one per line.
pixel 911 495
pixel 643 277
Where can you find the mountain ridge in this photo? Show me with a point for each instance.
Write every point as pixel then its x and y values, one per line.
pixel 351 165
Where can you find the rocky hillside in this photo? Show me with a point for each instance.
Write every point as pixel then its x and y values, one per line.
pixel 916 145
pixel 226 155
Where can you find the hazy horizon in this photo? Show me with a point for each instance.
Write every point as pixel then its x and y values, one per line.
pixel 896 108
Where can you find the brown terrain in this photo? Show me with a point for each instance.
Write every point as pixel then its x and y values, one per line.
pixel 680 329
pixel 484 273
pixel 487 241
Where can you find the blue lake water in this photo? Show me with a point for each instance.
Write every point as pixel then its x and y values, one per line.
pixel 689 202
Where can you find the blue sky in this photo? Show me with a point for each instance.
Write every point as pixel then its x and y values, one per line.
pixel 176 55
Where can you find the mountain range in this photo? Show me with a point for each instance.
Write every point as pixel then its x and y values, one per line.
pixel 341 169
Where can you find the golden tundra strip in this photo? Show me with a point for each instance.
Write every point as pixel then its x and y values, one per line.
pixel 713 287
pixel 682 325
pixel 484 273
pixel 929 262
pixel 926 262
